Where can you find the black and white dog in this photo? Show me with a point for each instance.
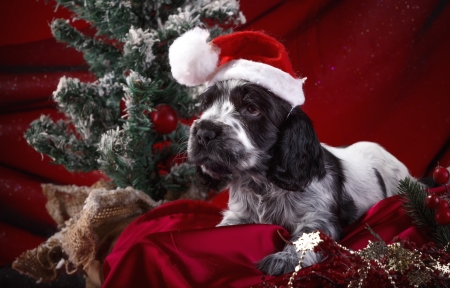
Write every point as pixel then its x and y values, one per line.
pixel 277 170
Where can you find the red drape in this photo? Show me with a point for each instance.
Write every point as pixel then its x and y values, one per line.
pixel 377 71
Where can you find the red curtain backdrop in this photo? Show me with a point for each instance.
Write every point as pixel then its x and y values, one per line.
pixel 376 71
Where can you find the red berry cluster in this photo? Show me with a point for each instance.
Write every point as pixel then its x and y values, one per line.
pixel 433 201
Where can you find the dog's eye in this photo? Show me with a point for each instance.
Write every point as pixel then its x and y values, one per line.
pixel 253 110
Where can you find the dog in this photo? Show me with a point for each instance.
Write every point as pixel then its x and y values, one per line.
pixel 279 173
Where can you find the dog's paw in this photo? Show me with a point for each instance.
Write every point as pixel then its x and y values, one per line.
pixel 278 263
pixel 285 262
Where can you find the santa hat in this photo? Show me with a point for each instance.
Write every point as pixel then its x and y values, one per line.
pixel 247 55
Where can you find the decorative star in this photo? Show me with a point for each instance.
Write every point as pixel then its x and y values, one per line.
pixel 308 241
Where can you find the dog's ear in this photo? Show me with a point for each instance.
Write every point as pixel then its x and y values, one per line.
pixel 297 157
pixel 210 182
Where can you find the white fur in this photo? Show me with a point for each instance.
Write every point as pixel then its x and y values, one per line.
pixel 359 160
pixel 279 82
pixel 222 112
pixel 192 59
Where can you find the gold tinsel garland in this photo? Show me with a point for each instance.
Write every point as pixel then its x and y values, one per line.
pixel 399 263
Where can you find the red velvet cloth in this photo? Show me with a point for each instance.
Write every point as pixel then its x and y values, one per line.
pixel 177 245
pixel 387 219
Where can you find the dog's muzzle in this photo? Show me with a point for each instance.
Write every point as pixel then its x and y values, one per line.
pixel 211 148
pixel 207 131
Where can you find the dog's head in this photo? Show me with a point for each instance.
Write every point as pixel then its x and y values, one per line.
pixel 246 129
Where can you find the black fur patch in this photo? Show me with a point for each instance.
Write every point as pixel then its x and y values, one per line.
pixel 208 181
pixel 346 208
pixel 262 129
pixel 381 182
pixel 297 157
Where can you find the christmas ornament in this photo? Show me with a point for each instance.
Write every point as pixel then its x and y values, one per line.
pixel 441 175
pixel 442 215
pixel 432 201
pixel 164 119
pixel 443 204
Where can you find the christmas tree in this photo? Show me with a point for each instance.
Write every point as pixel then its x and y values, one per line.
pixel 126 123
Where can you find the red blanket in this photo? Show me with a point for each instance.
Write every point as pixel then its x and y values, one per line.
pixel 177 245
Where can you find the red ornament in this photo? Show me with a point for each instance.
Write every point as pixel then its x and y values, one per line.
pixel 164 119
pixel 441 175
pixel 432 201
pixel 442 216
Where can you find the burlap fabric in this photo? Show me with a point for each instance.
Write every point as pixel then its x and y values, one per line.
pixel 85 216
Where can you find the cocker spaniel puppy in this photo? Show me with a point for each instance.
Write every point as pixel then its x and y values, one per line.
pixel 278 172
pixel 254 136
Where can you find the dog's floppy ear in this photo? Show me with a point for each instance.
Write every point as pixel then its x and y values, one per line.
pixel 208 181
pixel 297 157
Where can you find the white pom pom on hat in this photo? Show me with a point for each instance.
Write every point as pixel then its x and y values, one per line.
pixel 247 55
pixel 192 58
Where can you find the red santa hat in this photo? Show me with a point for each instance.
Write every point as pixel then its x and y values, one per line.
pixel 247 55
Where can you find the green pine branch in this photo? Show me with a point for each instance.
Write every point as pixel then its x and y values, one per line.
pixel 93 108
pixel 101 57
pixel 111 18
pixel 414 195
pixel 60 142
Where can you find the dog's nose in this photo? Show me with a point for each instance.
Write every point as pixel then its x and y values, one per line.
pixel 207 131
pixel 205 136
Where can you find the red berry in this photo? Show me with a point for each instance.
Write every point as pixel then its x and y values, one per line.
pixel 443 204
pixel 441 175
pixel 432 201
pixel 442 216
pixel 164 119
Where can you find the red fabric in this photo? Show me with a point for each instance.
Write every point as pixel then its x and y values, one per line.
pixel 16 153
pixel 21 197
pixel 40 56
pixel 176 245
pixel 13 241
pixel 388 220
pixel 23 21
pixel 253 46
pixel 21 88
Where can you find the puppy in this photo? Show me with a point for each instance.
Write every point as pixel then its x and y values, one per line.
pixel 279 173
